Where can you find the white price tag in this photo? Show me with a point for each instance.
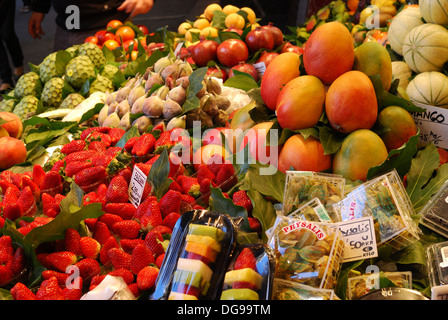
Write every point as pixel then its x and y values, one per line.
pixel 260 67
pixel 178 47
pixel 136 186
pixel 359 237
pixel 433 125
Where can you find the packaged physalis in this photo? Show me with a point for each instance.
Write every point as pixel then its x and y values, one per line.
pixel 303 186
pixel 437 260
pixel 290 290
pixel 385 199
pixel 360 285
pixel 307 252
pixel 250 273
pixel 434 214
pixel 197 257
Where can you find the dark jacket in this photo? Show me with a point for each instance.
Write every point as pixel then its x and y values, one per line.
pixel 94 14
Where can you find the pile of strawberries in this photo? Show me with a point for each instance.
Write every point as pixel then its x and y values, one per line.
pixel 125 241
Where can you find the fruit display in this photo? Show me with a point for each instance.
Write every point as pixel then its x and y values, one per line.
pixel 227 160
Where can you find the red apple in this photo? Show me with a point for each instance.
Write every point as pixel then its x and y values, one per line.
pixel 13 126
pixel 13 151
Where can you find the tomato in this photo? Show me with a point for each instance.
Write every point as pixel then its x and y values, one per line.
pixel 100 35
pixel 143 29
pixel 244 67
pixel 109 36
pixel 232 51
pixel 259 39
pixel 124 33
pixel 128 43
pixel 114 24
pixel 91 39
pixel 204 51
pixel 111 44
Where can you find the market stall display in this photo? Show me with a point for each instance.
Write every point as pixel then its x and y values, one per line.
pixel 228 161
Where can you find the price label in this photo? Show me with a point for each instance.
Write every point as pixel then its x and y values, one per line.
pixel 359 237
pixel 136 186
pixel 433 125
pixel 178 47
pixel 260 67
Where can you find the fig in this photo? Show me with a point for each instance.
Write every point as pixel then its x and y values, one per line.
pixel 177 122
pixel 177 94
pixel 112 107
pixel 142 123
pixel 206 120
pixel 111 97
pixel 191 117
pixel 136 92
pixel 223 103
pixel 209 105
pixel 153 106
pixel 203 91
pixel 102 115
pixel 221 118
pixel 184 69
pixel 112 120
pixel 162 63
pixel 213 86
pixel 171 70
pixel 162 92
pixel 125 122
pixel 154 78
pixel 138 105
pixel 171 109
pixel 122 94
pixel 184 81
pixel 123 108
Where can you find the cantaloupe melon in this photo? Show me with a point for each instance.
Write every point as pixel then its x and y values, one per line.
pixel 429 88
pixel 402 72
pixel 425 48
pixel 434 11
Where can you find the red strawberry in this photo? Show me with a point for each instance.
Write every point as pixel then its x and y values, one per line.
pixel 195 256
pixel 90 248
pixel 99 136
pixel 101 160
pixel 130 144
pixel 109 219
pixel 126 274
pixel 170 202
pixel 12 211
pixel 240 198
pixel 60 260
pixel 49 205
pixel 83 155
pixel 153 241
pixel 35 189
pixel 163 230
pixel 129 245
pixel 117 191
pixel 126 173
pixel 171 219
pixel 215 163
pixel 38 174
pixel 96 280
pixel 244 284
pixel 116 134
pixel 74 291
pixel 146 278
pixel 164 141
pixel 72 241
pixel 133 287
pixel 90 198
pixel 98 146
pixel 52 183
pixel 204 172
pixel 159 260
pixel 101 194
pixel 50 290
pixel 18 262
pixel 144 145
pixel 74 167
pixel 174 185
pixel 119 258
pixel 73 146
pixel 58 166
pixel 2 221
pixel 6 275
pixel 255 224
pixel 152 216
pixel 160 127
pixel 110 243
pixel 61 276
pixel 27 202
pixel 126 229
pixel 6 249
pixel 22 292
pixel 89 179
pixel 187 289
pixel 88 267
pixel 89 131
pixel 226 178
pixel 189 185
pixel 205 184
pixel 113 151
pixel 141 257
pixel 245 259
pixel 101 232
pixel 124 210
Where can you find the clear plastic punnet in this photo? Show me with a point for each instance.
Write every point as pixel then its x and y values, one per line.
pixel 303 186
pixel 434 214
pixel 290 290
pixel 437 263
pixel 385 199
pixel 307 252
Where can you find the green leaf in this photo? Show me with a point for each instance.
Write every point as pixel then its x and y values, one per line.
pixel 92 112
pixel 132 132
pixel 330 139
pixel 241 81
pixel 158 175
pixel 195 85
pixel 218 20
pixel 425 176
pixel 62 59
pixel 263 210
pixel 272 185
pixel 110 56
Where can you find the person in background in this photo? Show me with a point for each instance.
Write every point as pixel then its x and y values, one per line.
pixel 94 16
pixel 9 43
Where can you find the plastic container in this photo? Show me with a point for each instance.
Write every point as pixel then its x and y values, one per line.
pixel 261 279
pixel 303 186
pixel 437 260
pixel 307 252
pixel 290 290
pixel 394 294
pixel 385 199
pixel 197 257
pixel 434 214
pixel 361 285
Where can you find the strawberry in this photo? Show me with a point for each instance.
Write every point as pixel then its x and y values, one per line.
pixel 83 155
pixel 170 202
pixel 113 151
pixel 74 167
pixel 116 134
pixel 119 258
pixel 60 260
pixel 244 284
pixel 52 183
pixel 12 211
pixel 98 146
pixel 88 267
pixel 195 256
pixel 159 128
pixel 124 210
pixel 101 194
pixel 89 179
pixel 205 184
pixel 141 257
pixel 129 245
pixel 90 247
pixel 110 243
pixel 27 202
pixel 255 224
pixel 215 163
pixel 50 208
pixel 22 292
pixel 18 262
pixel 109 219
pixel 86 133
pixel 170 220
pixel 38 174
pixel 130 144
pixel 61 276
pixel 96 280
pixel 159 260
pixel 101 232
pixel 50 290
pixel 126 229
pixel 58 166
pixel 153 241
pixel 133 287
pixel 174 185
pixel 163 230
pixel 150 214
pixel 144 145
pixel 6 249
pixel 146 278
pixel 189 185
pixel 2 220
pixel 6 275
pixel 101 160
pixel 73 146
pixel 240 198
pixel 35 189
pixel 74 291
pixel 245 259
pixel 226 178
pixel 126 274
pixel 164 141
pixel 117 192
pixel 99 136
pixel 89 198
pixel 187 289
pixel 126 173
pixel 204 172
